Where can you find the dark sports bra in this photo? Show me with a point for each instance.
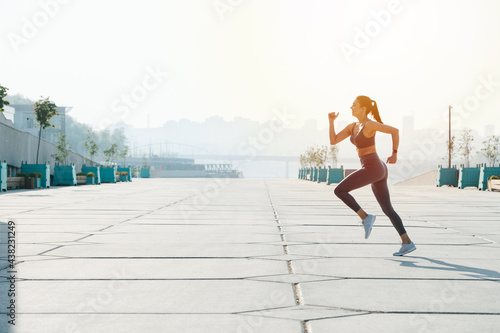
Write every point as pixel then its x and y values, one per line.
pixel 360 140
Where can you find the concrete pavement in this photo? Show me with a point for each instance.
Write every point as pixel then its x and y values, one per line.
pixel 248 255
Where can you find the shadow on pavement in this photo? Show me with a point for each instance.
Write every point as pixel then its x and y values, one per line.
pixel 470 271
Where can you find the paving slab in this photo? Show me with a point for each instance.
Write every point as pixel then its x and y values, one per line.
pixel 385 250
pixel 150 296
pixel 158 322
pixel 248 255
pixel 415 322
pixel 153 269
pixel 178 237
pixel 412 268
pixel 154 250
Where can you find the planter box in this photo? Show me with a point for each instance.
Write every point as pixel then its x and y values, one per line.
pixel 484 174
pixel 91 180
pixel 96 171
pixel 108 174
pixel 29 183
pixel 129 176
pixel 145 173
pixel 64 175
pixel 447 176
pixel 81 180
pixel 15 182
pixel 123 178
pixel 3 176
pixel 44 169
pixel 117 178
pixel 494 185
pixel 314 174
pixel 334 176
pixel 468 177
pixel 322 173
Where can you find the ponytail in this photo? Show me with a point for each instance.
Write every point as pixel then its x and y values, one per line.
pixel 371 106
pixel 375 113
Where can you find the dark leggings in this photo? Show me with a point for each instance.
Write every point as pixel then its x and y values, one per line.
pixel 373 171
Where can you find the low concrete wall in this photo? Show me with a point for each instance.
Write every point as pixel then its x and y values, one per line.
pixel 178 174
pixel 426 179
pixel 17 146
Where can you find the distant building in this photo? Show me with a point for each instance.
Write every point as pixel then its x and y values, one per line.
pixel 8 113
pixel 489 130
pixel 24 120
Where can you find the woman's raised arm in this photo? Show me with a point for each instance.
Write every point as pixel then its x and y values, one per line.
pixel 336 138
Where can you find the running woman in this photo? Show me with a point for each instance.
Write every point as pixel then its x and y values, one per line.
pixel 373 171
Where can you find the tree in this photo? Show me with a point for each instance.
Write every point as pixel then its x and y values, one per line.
pixel 44 111
pixel 333 153
pixel 491 149
pixel 450 149
pixel 3 93
pixel 320 156
pixel 317 156
pixel 76 134
pixel 63 150
pixel 111 153
pixel 20 99
pixel 465 145
pixel 123 154
pixel 303 161
pixel 91 145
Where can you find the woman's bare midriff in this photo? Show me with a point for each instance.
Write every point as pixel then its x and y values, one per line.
pixel 366 150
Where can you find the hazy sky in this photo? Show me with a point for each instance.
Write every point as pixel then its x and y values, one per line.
pixel 171 59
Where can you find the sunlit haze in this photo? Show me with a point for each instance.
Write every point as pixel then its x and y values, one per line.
pixel 167 60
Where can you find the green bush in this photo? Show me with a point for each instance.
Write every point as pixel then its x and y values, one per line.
pixel 494 177
pixel 81 174
pixel 35 175
pixel 124 173
pixel 22 174
pixel 90 174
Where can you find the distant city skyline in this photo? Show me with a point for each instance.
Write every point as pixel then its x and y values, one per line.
pixel 167 60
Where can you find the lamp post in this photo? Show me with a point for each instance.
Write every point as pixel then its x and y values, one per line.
pixel 449 136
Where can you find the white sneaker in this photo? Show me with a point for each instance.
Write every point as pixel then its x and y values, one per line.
pixel 368 224
pixel 405 249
